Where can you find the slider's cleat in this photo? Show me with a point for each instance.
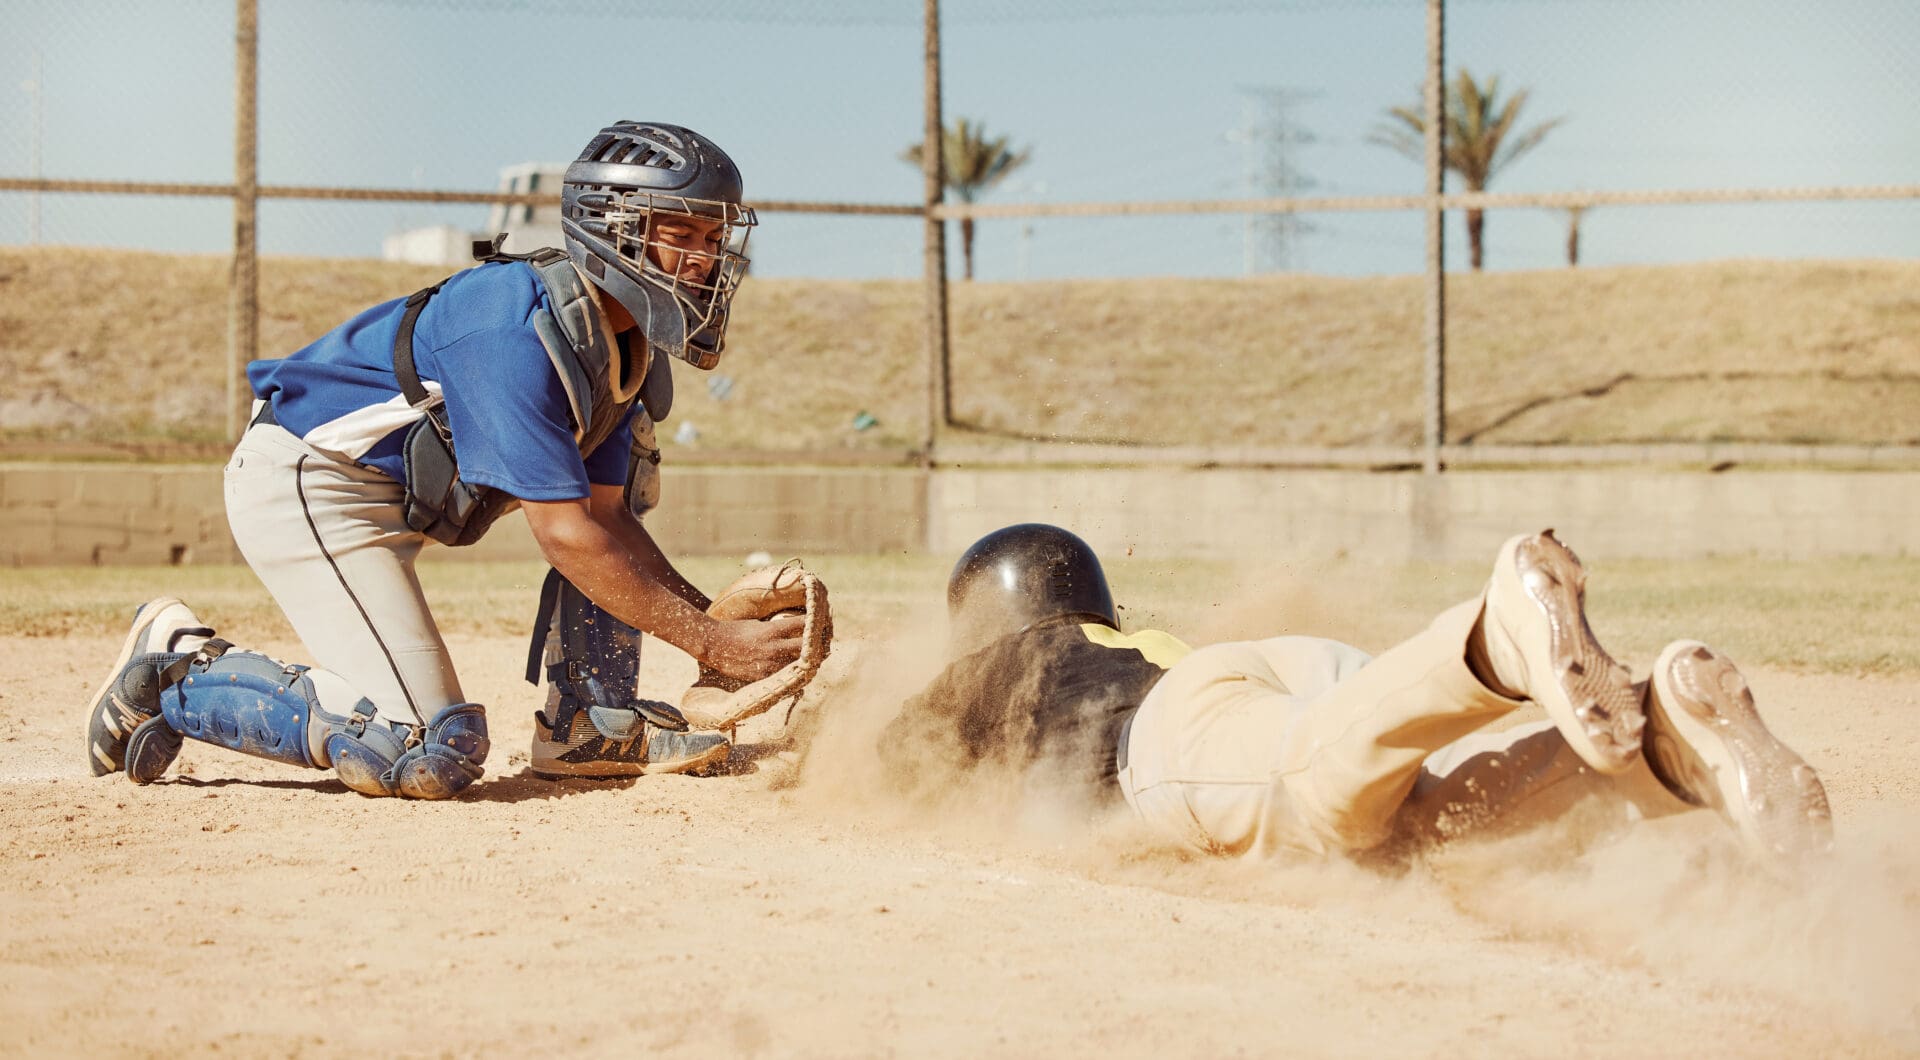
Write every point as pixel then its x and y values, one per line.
pixel 1707 745
pixel 1540 645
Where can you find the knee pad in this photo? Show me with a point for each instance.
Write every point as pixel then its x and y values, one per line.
pixel 438 762
pixel 362 750
pixel 256 705
pixel 450 757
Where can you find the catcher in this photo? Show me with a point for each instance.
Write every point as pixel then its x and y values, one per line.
pixel 1303 745
pixel 528 381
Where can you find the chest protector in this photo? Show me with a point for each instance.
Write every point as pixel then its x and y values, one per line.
pixel 584 355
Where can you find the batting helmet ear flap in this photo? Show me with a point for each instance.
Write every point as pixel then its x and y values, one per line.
pixel 1022 575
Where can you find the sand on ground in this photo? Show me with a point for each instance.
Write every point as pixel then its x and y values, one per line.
pixel 788 907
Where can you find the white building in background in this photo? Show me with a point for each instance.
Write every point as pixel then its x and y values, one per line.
pixel 527 227
pixel 433 245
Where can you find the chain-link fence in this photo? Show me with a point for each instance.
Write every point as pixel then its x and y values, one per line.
pixel 1211 251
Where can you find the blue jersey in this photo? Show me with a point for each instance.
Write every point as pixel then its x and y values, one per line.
pixel 474 345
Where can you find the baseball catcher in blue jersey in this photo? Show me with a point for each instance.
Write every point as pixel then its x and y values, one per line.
pixel 1295 746
pixel 529 381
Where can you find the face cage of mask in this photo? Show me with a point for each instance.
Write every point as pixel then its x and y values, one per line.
pixel 630 224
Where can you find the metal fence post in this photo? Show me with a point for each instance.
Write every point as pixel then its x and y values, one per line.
pixel 243 284
pixel 939 401
pixel 1436 330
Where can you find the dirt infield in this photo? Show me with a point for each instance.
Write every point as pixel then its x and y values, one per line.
pixel 787 907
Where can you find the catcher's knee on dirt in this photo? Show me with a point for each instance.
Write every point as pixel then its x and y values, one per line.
pixel 446 758
pixel 247 702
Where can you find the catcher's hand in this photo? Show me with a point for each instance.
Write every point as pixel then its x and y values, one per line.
pixel 719 702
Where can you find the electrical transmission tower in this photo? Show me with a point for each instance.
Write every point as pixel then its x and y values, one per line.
pixel 1270 137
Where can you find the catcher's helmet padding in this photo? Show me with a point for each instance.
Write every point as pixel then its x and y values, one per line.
pixel 608 199
pixel 1020 575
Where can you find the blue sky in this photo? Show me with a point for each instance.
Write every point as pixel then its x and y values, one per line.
pixel 1120 99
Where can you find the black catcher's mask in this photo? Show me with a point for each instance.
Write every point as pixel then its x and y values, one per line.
pixel 612 200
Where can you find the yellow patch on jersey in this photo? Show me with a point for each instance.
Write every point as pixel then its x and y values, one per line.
pixel 1161 649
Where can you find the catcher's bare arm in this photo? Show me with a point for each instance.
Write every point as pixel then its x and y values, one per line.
pixel 610 508
pixel 600 563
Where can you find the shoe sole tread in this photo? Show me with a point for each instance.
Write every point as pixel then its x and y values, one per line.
pixel 1705 703
pixel 1598 698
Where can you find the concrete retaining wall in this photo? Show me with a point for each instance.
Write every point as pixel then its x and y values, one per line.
pixel 63 513
pixel 112 514
pixel 69 513
pixel 1456 516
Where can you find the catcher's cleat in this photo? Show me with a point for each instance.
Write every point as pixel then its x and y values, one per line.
pixel 1707 745
pixel 1535 628
pixel 586 752
pixel 130 694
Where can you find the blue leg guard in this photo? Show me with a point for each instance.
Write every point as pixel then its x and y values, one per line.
pixel 258 706
pixel 239 700
pixel 593 669
pixel 592 663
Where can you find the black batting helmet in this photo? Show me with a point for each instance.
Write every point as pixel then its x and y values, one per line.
pixel 1021 575
pixel 609 199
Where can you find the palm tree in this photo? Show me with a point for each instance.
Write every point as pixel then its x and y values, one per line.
pixel 972 163
pixel 1481 138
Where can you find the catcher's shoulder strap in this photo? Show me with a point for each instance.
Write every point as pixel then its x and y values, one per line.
pixel 583 354
pixel 578 319
pixel 438 502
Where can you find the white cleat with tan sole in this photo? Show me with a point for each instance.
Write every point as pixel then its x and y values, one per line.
pixel 1540 645
pixel 1707 744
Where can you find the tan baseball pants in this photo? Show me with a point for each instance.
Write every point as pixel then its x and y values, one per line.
pixel 327 538
pixel 1298 744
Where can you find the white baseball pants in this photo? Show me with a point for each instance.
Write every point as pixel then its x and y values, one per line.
pixel 328 539
pixel 1298 744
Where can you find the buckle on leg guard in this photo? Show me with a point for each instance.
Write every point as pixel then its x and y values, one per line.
pixel 195 662
pixel 356 722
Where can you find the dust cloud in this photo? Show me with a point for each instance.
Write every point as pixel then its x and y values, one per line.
pixel 1675 896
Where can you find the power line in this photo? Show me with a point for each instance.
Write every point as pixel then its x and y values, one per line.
pixel 1269 137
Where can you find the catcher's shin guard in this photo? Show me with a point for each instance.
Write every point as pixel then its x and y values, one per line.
pixel 247 702
pixel 592 663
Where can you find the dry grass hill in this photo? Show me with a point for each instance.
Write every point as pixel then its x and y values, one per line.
pixel 122 352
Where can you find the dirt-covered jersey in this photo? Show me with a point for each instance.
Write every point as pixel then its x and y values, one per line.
pixel 1058 691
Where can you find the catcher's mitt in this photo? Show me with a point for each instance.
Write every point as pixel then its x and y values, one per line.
pixel 717 701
